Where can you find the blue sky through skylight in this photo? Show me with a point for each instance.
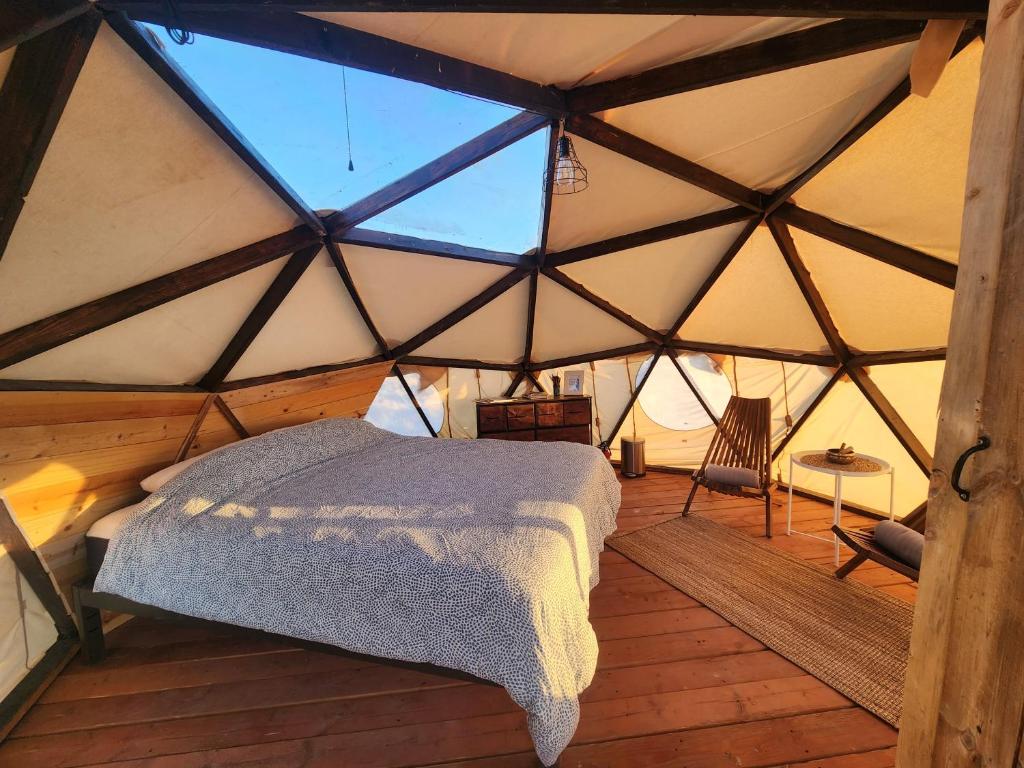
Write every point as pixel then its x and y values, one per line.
pixel 291 110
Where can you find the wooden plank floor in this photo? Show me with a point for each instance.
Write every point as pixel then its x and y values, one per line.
pixel 676 686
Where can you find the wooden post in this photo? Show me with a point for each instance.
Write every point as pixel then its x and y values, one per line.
pixel 964 700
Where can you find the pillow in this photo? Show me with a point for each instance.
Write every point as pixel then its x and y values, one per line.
pixel 737 476
pixel 903 543
pixel 158 480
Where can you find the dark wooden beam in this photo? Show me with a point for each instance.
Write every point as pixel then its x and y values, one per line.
pixel 34 385
pixel 548 193
pixel 511 388
pixel 618 140
pixel 720 267
pixel 169 71
pixel 460 158
pixel 805 358
pixel 892 419
pixel 809 290
pixel 259 316
pixel 673 355
pixel 895 97
pixel 451 362
pixel 796 49
pixel 530 377
pixel 604 354
pixel 412 397
pixel 605 306
pixel 486 296
pixel 32 99
pixel 407 244
pixel 818 398
pixel 230 417
pixel 22 20
pixel 653 235
pixel 893 254
pixel 338 259
pixel 31 567
pixel 633 397
pixel 197 423
pixel 842 9
pixel 322 40
pixel 531 318
pixel 899 356
pixel 301 373
pixel 32 339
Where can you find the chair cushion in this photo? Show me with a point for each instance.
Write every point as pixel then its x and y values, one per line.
pixel 901 542
pixel 738 476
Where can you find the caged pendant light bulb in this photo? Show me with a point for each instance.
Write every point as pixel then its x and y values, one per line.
pixel 569 174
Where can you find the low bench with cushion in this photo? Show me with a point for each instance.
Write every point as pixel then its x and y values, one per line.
pixel 898 546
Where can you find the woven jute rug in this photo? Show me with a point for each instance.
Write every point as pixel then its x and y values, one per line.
pixel 850 636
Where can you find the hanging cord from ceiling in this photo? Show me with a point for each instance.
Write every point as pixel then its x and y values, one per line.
pixel 348 127
pixel 597 408
pixel 785 395
pixel 177 29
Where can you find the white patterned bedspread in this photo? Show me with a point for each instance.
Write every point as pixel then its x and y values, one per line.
pixel 477 555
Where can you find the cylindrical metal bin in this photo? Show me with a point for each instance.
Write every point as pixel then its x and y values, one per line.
pixel 633 462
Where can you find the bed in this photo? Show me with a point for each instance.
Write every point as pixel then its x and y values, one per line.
pixel 474 556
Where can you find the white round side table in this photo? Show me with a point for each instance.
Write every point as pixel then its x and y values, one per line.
pixel 839 471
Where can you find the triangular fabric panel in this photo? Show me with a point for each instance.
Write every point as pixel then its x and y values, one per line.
pixel 316 324
pixel 6 57
pixel 763 131
pixel 496 332
pixel 392 126
pixel 493 204
pixel 568 49
pixel 174 343
pixel 914 390
pixel 465 386
pixel 624 196
pixel 914 163
pixel 846 416
pixel 392 409
pixel 132 186
pixel 756 303
pixel 26 629
pixel 567 325
pixel 407 292
pixel 655 282
pixel 876 307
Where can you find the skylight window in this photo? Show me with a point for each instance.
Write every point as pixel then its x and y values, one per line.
pixel 292 110
pixel 669 402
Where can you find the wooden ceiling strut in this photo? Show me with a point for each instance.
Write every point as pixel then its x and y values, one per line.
pixel 818 399
pixel 604 354
pixel 605 306
pixel 229 416
pixel 312 38
pixel 450 163
pixel 642 151
pixel 900 356
pixel 301 373
pixel 633 397
pixel 531 318
pixel 260 315
pixel 34 93
pixel 338 259
pixel 412 397
pixel 532 378
pixel 516 380
pixel 452 362
pixel 407 244
pixel 842 9
pixel 774 54
pixel 894 98
pixel 757 353
pixel 900 256
pixel 657 234
pixel 892 418
pixel 720 267
pixel 810 292
pixel 193 430
pixel 37 337
pixel 169 71
pixel 486 296
pixel 21 21
pixel 548 193
pixel 672 355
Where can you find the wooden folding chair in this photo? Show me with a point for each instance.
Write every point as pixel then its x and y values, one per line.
pixel 866 548
pixel 738 462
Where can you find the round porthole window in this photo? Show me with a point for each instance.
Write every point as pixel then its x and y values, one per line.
pixel 667 400
pixel 392 410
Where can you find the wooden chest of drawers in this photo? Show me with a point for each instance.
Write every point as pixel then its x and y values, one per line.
pixel 564 418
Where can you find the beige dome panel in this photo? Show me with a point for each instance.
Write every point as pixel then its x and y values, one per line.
pixel 132 186
pixel 876 307
pixel 914 389
pixel 756 303
pixel 763 131
pixel 567 325
pixel 914 163
pixel 495 333
pixel 655 282
pixel 407 292
pixel 316 324
pixel 175 343
pixel 624 196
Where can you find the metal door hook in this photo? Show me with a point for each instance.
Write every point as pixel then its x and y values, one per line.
pixel 983 443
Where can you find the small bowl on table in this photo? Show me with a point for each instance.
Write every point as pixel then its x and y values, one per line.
pixel 840 455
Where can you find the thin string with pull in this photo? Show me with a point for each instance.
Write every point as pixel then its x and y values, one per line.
pixel 348 127
pixel 177 30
